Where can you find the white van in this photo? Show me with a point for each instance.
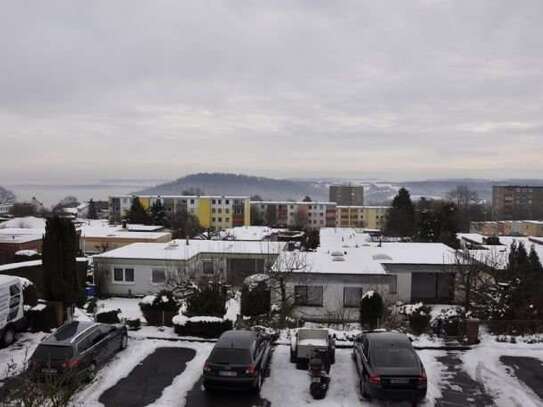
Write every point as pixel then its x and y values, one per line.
pixel 11 308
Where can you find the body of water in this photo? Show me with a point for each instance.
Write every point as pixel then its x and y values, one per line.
pixel 50 195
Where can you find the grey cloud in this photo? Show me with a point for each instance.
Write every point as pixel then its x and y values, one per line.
pixel 162 88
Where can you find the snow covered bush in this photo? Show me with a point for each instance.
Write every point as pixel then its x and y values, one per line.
pixel 209 299
pixel 108 317
pixel 159 309
pixel 419 317
pixel 255 296
pixel 133 324
pixel 371 309
pixel 450 321
pixel 202 326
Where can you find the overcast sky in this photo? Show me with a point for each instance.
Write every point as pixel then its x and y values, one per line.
pixel 159 89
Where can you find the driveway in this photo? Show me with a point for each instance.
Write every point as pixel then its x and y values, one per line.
pixel 147 381
pixel 528 370
pixel 460 390
pixel 197 397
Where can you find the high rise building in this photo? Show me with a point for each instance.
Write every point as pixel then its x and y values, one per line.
pixel 515 202
pixel 347 195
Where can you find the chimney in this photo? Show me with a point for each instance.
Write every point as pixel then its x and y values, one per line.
pixel 187 240
pixel 124 224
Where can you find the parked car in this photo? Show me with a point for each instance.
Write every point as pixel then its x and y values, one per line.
pixel 77 349
pixel 12 317
pixel 238 360
pixel 305 341
pixel 389 368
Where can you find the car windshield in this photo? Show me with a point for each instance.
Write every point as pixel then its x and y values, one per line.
pixel 51 352
pixel 388 356
pixel 230 356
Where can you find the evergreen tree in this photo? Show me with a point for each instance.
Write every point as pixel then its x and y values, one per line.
pixel 158 214
pixel 184 224
pixel 92 212
pixel 372 309
pixel 535 262
pixel 401 217
pixel 138 214
pixel 60 277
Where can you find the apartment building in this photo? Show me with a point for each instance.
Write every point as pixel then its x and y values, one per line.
pixel 213 212
pixel 517 202
pixel 508 228
pixel 347 195
pixel 370 217
pixel 313 215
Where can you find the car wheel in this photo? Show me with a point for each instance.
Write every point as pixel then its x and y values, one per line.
pixel 363 392
pixel 292 357
pixel 8 337
pixel 91 372
pixel 124 341
pixel 258 384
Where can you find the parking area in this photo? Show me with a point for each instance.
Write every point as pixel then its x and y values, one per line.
pixel 153 372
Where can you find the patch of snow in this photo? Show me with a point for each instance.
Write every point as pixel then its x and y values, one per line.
pixel 28 253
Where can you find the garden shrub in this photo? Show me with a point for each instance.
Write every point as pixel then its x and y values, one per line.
pixel 419 318
pixel 371 309
pixel 207 300
pixel 203 327
pixel 108 317
pixel 255 297
pixel 159 309
pixel 133 324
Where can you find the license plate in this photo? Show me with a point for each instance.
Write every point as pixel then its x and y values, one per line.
pixel 399 381
pixel 227 373
pixel 49 371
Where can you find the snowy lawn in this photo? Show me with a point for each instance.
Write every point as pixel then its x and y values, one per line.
pixel 124 362
pixel 483 364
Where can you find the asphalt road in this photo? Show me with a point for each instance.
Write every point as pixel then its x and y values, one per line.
pixel 147 381
pixel 460 390
pixel 528 370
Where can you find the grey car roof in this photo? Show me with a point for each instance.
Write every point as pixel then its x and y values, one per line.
pixel 69 332
pixel 236 339
pixel 388 338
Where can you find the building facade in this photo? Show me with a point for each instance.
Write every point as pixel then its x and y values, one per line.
pixel 517 202
pixel 347 195
pixel 370 217
pixel 213 212
pixel 311 215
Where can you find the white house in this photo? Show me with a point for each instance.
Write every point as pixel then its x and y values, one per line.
pixel 144 268
pixel 328 284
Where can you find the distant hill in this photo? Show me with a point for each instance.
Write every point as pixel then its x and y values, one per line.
pixel 376 192
pixel 236 184
pixel 6 196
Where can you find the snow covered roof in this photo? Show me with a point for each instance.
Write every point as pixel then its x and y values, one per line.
pixel 179 250
pixel 366 259
pixel 28 222
pixel 336 238
pixel 19 235
pixel 498 255
pixel 102 229
pixel 249 232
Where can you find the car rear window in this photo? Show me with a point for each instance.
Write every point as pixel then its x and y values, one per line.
pixel 230 356
pixel 394 357
pixel 50 352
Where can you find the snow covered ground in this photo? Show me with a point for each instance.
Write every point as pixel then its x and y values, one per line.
pixel 129 307
pixel 124 362
pixel 483 364
pixel 14 358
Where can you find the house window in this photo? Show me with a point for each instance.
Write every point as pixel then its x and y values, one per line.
pixel 352 296
pixel 220 219
pixel 207 267
pixel 227 202
pixel 213 202
pixel 308 295
pixel 158 276
pixel 123 275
